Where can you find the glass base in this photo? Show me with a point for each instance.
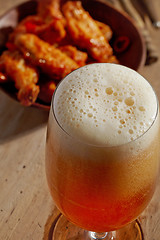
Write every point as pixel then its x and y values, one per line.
pixel 65 230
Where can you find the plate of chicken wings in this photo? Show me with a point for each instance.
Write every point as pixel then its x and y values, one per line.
pixel 43 41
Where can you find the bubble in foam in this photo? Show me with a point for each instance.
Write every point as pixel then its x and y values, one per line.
pixel 122 121
pixel 128 111
pixel 115 109
pixel 130 131
pixel 86 92
pixel 141 108
pixel 90 115
pixel 115 103
pixel 95 80
pixel 119 99
pixel 109 90
pixel 107 104
pixel 132 93
pixel 129 101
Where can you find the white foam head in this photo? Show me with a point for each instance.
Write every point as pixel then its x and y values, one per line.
pixel 105 104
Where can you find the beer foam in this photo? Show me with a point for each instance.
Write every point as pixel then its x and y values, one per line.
pixel 105 104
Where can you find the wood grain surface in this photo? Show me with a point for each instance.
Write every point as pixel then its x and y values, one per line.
pixel 27 211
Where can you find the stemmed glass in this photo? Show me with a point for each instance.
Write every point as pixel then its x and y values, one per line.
pixel 102 189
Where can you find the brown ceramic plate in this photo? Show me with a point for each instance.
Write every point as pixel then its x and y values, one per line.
pixel 122 26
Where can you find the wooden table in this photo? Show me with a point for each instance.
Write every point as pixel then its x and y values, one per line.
pixel 26 207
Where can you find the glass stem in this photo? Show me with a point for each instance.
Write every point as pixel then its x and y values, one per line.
pixel 98 236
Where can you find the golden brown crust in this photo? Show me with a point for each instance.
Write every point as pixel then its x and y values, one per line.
pixel 78 56
pixel 24 76
pixel 50 59
pixel 85 32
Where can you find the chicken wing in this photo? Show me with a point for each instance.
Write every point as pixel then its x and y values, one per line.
pixel 85 32
pixel 49 9
pixel 51 32
pixel 24 76
pixel 105 29
pixel 50 59
pixel 78 56
pixel 30 24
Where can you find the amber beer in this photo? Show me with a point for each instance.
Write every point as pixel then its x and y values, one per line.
pixel 102 146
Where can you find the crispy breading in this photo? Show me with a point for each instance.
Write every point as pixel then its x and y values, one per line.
pixel 85 32
pixel 78 56
pixel 24 76
pixel 105 29
pixel 49 9
pixel 30 24
pixel 51 60
pixel 51 32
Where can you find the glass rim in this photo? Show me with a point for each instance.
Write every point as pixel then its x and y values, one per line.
pixel 96 145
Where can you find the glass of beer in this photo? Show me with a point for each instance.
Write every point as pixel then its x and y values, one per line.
pixel 102 152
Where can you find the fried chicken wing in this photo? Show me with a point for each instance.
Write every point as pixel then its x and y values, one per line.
pixel 50 59
pixel 58 39
pixel 24 76
pixel 49 9
pixel 105 29
pixel 30 24
pixel 51 32
pixel 85 31
pixel 78 56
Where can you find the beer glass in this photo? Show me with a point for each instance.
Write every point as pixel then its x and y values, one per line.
pixel 101 185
